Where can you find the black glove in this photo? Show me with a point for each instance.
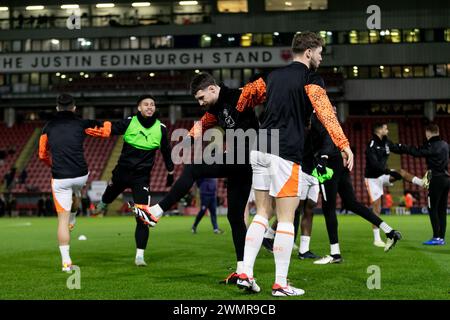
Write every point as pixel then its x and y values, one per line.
pixel 322 165
pixel 169 179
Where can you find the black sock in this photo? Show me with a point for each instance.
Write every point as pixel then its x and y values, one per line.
pixel 141 235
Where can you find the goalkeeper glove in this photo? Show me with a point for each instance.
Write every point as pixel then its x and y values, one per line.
pixel 322 178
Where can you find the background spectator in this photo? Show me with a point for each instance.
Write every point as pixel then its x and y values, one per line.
pixel 23 176
pixel 2 204
pixel 41 206
pixel 388 201
pixel 49 211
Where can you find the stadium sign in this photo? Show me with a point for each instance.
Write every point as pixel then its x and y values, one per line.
pixel 145 59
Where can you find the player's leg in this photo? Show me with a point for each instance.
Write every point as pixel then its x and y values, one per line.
pixel 254 238
pixel 443 210
pixel 307 217
pixel 329 212
pixel 238 190
pixel 269 235
pixel 212 207
pixel 347 193
pixel 115 187
pixel 251 198
pixel 434 197
pixel 375 190
pixel 191 172
pixel 284 238
pixel 62 196
pixel 255 233
pixel 64 239
pixel 297 218
pixel 311 187
pixel 414 179
pixel 247 214
pixel 306 230
pixel 77 185
pixel 140 188
pixel 204 202
pixel 76 200
pixel 285 187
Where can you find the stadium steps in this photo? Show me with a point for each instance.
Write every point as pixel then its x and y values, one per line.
pixel 27 151
pixel 25 155
pixel 112 161
pixel 395 161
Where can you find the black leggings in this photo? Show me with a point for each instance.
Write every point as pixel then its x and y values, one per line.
pixel 341 183
pixel 239 178
pixel 139 182
pixel 437 205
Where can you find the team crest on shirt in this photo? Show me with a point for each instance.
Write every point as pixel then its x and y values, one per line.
pixel 228 119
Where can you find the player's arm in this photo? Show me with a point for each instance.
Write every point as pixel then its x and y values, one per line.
pixel 98 129
pixel 44 152
pixel 252 94
pixel 327 146
pixel 208 120
pixel 422 151
pixel 325 113
pixel 395 147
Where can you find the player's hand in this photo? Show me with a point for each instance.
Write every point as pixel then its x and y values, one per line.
pixel 348 158
pixel 322 166
pixel 169 179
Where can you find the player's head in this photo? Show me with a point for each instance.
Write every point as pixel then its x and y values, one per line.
pixel 205 89
pixel 431 130
pixel 380 129
pixel 146 105
pixel 65 102
pixel 308 46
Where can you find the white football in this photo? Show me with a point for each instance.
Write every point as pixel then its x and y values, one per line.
pixel 82 237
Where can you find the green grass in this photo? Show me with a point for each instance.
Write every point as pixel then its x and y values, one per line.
pixel 187 266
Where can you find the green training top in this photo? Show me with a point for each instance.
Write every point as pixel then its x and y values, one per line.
pixel 143 138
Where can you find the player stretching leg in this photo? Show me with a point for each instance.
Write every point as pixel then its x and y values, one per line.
pixel 340 182
pixel 61 148
pixel 143 135
pixel 231 109
pixel 377 175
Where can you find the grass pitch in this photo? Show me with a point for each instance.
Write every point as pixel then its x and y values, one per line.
pixel 186 266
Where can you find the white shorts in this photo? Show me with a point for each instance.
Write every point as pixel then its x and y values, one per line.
pixel 309 187
pixel 375 186
pixel 63 189
pixel 274 174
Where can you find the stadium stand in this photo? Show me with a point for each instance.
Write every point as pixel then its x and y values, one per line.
pixel 357 128
pixel 12 141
